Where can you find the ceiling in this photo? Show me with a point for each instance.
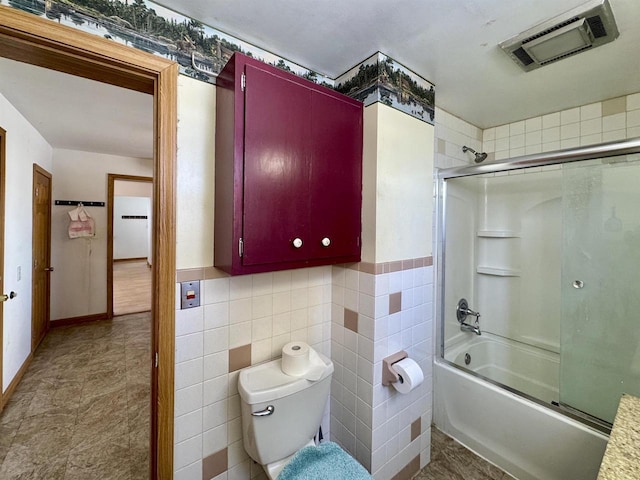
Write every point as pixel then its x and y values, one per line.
pixel 452 43
pixel 78 114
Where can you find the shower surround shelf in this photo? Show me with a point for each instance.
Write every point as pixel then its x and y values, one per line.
pixel 498 234
pixel 498 272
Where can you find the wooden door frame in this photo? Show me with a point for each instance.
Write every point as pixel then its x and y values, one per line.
pixel 3 141
pixel 27 38
pixel 37 169
pixel 111 179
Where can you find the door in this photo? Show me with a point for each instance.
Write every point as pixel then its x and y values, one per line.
pixel 2 170
pixel 41 245
pixel 276 169
pixel 335 192
pixel 600 339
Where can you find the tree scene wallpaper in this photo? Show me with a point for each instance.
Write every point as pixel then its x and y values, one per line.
pixel 202 51
pixel 381 79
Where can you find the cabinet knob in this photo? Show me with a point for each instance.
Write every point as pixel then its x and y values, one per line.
pixel 326 242
pixel 297 242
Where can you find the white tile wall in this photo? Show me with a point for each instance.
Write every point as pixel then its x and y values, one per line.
pixel 452 133
pixel 370 421
pixel 264 310
pixel 580 126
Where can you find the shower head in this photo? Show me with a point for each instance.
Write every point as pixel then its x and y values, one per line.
pixel 480 156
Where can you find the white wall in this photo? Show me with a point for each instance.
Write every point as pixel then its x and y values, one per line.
pixel 131 235
pixel 25 146
pixel 397 185
pixel 79 282
pixel 195 178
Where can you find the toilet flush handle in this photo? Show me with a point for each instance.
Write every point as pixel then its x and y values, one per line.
pixel 263 413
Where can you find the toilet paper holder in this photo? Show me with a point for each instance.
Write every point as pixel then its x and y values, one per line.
pixel 389 375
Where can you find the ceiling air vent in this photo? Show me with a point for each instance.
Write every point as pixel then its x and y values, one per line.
pixel 583 28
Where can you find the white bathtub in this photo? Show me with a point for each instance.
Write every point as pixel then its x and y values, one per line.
pixel 529 441
pixel 524 368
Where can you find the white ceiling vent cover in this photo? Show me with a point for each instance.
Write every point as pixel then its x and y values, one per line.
pixel 585 27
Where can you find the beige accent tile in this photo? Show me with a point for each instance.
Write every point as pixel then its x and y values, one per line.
pixel 189 275
pixel 614 106
pixel 213 272
pixel 395 266
pixel 395 302
pixel 214 465
pixel 239 357
pixel 407 264
pixel 409 470
pixel 428 262
pixel 416 428
pixel 368 267
pixel 351 320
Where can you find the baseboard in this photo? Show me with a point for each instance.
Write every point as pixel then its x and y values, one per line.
pixel 136 259
pixel 63 322
pixel 16 380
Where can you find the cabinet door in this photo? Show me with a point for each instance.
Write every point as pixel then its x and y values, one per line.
pixel 336 177
pixel 276 168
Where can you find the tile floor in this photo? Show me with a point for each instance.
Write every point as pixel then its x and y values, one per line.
pixel 452 461
pixel 82 409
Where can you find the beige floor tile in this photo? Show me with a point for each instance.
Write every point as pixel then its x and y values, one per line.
pixel 82 410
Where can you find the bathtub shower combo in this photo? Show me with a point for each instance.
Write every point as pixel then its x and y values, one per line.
pixel 539 306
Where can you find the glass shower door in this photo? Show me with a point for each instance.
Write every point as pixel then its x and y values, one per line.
pixel 600 326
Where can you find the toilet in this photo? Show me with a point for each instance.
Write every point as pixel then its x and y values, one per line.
pixel 280 413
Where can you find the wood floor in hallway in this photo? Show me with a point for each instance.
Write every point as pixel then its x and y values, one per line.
pixel 131 287
pixel 82 409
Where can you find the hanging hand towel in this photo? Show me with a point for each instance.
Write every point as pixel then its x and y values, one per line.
pixel 81 224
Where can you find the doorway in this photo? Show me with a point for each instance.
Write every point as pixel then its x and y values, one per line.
pixel 41 254
pixel 129 247
pixel 3 134
pixel 29 39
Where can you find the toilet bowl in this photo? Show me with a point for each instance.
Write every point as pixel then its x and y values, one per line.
pixel 281 414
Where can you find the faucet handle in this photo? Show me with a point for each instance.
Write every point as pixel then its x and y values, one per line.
pixel 463 310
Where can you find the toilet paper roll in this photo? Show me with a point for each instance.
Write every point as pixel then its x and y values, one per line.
pixel 295 358
pixel 410 375
pixel 300 360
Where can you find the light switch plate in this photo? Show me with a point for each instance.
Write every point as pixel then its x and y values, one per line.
pixel 189 294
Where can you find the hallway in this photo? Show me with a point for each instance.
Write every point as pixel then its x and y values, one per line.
pixel 82 409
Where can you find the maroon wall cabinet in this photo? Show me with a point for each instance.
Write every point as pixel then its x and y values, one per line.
pixel 288 172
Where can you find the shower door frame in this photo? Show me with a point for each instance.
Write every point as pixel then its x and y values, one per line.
pixel 603 150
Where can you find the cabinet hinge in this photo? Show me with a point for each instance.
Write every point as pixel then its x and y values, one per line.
pixel 240 247
pixel 243 82
pixel 156 360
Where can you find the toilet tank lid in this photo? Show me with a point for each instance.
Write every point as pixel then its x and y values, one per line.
pixel 267 382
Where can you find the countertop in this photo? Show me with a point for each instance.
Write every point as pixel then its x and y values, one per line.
pixel 622 457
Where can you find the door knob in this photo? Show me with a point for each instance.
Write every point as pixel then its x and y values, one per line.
pixel 326 242
pixel 4 297
pixel 297 242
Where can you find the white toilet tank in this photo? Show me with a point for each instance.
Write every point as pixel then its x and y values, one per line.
pixel 291 409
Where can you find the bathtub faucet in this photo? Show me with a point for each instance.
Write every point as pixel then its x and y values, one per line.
pixel 475 328
pixel 462 311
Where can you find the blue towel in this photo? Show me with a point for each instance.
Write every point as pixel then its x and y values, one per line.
pixel 325 462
